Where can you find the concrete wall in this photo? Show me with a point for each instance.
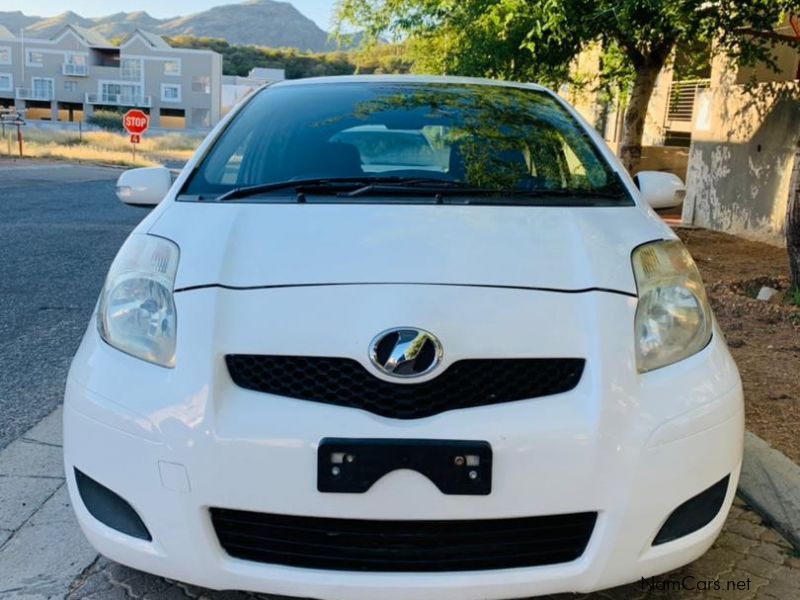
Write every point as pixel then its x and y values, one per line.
pixel 742 155
pixel 786 59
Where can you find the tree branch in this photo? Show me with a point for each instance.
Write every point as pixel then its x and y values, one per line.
pixel 770 35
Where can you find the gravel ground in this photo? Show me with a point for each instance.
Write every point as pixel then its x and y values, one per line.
pixel 764 338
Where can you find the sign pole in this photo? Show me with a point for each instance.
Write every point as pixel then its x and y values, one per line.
pixel 135 122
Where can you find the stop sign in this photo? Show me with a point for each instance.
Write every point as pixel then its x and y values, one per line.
pixel 135 121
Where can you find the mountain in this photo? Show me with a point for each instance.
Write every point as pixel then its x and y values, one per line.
pixel 121 23
pixel 258 22
pixel 44 28
pixel 16 20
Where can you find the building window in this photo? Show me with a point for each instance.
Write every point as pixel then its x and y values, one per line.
pixel 131 68
pixel 200 117
pixel 70 86
pixel 6 82
pixel 79 60
pixel 170 93
pixel 42 88
pixel 681 139
pixel 201 84
pixel 122 94
pixel 172 67
pixel 5 55
pixel 34 58
pixel 75 65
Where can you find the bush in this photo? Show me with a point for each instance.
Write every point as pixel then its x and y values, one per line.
pixel 106 119
pixel 794 296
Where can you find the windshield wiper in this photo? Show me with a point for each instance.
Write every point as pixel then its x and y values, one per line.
pixel 517 197
pixel 351 187
pixel 316 183
pixel 415 185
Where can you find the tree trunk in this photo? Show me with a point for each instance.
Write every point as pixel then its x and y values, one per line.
pixel 635 113
pixel 793 224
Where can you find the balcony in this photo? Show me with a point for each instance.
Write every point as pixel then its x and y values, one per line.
pixel 120 100
pixel 34 94
pixel 74 70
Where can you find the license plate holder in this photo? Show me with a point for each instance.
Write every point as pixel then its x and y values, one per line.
pixel 353 465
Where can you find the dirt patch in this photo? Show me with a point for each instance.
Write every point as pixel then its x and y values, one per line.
pixel 723 256
pixel 764 337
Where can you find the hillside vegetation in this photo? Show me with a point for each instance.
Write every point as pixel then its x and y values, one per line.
pixel 238 60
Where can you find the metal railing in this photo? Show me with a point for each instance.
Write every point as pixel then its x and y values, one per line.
pixel 74 70
pixel 119 100
pixel 34 94
pixel 682 98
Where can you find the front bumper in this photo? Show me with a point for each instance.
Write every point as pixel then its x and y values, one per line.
pixel 174 445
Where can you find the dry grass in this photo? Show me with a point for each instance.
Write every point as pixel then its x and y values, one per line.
pixel 87 154
pixel 102 147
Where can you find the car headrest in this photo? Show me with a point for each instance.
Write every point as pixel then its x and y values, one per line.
pixel 336 159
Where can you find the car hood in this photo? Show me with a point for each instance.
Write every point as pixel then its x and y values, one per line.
pixel 253 245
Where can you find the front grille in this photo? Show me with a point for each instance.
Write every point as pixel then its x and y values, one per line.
pixel 345 382
pixel 360 545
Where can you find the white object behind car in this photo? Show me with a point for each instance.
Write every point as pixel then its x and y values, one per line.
pixel 660 189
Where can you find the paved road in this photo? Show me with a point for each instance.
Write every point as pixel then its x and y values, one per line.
pixel 60 227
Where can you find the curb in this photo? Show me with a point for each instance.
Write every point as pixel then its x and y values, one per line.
pixel 770 483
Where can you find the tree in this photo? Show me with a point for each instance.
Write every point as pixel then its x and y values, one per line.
pixel 537 39
pixel 793 225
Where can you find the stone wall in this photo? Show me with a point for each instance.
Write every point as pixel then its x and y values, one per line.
pixel 743 149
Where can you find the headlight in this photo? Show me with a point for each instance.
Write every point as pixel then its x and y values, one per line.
pixel 136 313
pixel 673 319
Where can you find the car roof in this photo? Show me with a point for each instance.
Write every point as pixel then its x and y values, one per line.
pixel 408 79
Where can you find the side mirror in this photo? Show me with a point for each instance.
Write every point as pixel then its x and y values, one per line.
pixel 659 189
pixel 144 187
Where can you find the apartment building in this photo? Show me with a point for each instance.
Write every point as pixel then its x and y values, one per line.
pixel 78 71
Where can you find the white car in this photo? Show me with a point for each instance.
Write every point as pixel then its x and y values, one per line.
pixel 493 376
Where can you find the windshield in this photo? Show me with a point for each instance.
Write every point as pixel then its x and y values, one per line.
pixel 490 138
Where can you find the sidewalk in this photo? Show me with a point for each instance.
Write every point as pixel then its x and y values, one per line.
pixel 42 550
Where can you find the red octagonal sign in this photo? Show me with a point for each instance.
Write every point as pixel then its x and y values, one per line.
pixel 135 122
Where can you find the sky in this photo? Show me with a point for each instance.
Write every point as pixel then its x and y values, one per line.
pixel 319 11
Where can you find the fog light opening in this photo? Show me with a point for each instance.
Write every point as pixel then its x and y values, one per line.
pixel 109 508
pixel 694 514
